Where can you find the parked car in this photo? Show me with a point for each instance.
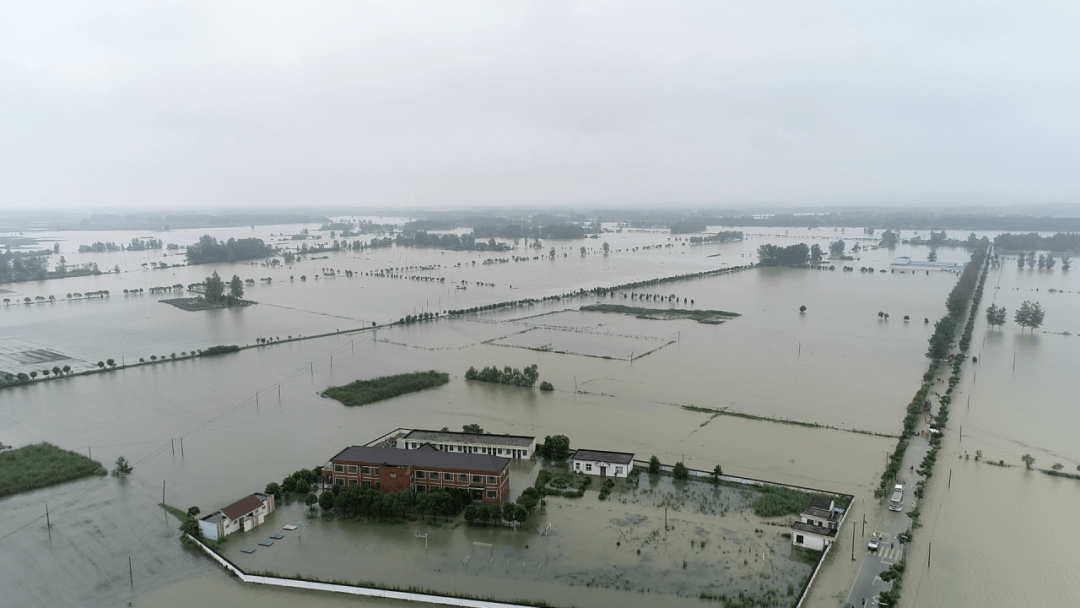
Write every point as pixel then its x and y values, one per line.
pixel 874 543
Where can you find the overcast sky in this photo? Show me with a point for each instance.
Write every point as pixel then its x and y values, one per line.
pixel 449 103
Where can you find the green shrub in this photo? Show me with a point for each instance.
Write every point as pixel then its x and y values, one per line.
pixel 363 392
pixel 220 350
pixel 40 465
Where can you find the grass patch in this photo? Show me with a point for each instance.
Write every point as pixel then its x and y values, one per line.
pixel 775 502
pixel 363 392
pixel 40 465
pixel 711 317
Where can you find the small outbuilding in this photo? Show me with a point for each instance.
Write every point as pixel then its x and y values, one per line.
pixel 244 514
pixel 818 525
pixel 604 464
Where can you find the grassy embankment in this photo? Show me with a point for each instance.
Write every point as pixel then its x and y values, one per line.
pixel 43 464
pixel 810 425
pixel 712 317
pixel 363 392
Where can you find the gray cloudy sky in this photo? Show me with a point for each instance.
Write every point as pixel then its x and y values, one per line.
pixel 450 103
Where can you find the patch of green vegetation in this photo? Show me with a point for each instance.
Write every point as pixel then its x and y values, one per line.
pixel 711 317
pixel 363 392
pixel 775 502
pixel 43 464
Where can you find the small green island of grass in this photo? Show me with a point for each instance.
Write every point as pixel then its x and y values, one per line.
pixel 710 317
pixel 40 465
pixel 363 392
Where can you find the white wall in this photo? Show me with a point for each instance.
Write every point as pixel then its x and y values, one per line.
pixel 592 467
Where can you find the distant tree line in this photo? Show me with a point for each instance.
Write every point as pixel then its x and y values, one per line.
pixel 690 224
pixel 720 237
pixel 1032 241
pixel 209 250
pixel 464 242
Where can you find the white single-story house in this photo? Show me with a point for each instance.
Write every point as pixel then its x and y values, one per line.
pixel 604 464
pixel 243 514
pixel 818 525
pixel 506 446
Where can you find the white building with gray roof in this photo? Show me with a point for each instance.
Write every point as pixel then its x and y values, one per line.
pixel 506 446
pixel 604 464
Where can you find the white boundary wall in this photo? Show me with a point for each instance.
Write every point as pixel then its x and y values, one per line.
pixel 350 589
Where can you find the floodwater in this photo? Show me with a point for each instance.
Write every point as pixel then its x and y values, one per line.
pixel 837 365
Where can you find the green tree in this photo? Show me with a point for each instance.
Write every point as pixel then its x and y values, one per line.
pixel 556 447
pixel 1028 460
pixel 583 252
pixel 302 486
pixel 888 239
pixel 816 253
pixel 836 248
pixel 606 248
pixel 473 428
pixel 717 472
pixel 236 287
pixel 274 489
pixel 288 485
pixel 995 315
pixel 470 514
pixel 680 471
pixel 1058 466
pixel 190 526
pixel 123 467
pixel 326 501
pixel 311 500
pixel 654 466
pixel 215 288
pixel 932 256
pixel 529 500
pixel 193 511
pixel 1029 315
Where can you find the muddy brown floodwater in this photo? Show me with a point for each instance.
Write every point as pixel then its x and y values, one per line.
pixel 999 534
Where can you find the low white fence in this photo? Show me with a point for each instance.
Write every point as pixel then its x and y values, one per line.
pixel 351 589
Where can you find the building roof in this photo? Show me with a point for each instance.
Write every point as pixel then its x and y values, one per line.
pixel 243 506
pixel 602 456
pixel 474 438
pixel 819 513
pixel 818 530
pixel 821 502
pixel 422 459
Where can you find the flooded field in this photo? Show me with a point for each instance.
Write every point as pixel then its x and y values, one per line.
pixel 253 417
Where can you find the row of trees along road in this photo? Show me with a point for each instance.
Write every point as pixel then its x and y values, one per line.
pixel 956 303
pixel 1029 315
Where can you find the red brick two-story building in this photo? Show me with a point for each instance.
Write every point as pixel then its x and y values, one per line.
pixel 486 477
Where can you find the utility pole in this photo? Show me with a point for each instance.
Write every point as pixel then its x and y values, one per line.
pixel 131 575
pixel 48 524
pixel 852 541
pixel 162 491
